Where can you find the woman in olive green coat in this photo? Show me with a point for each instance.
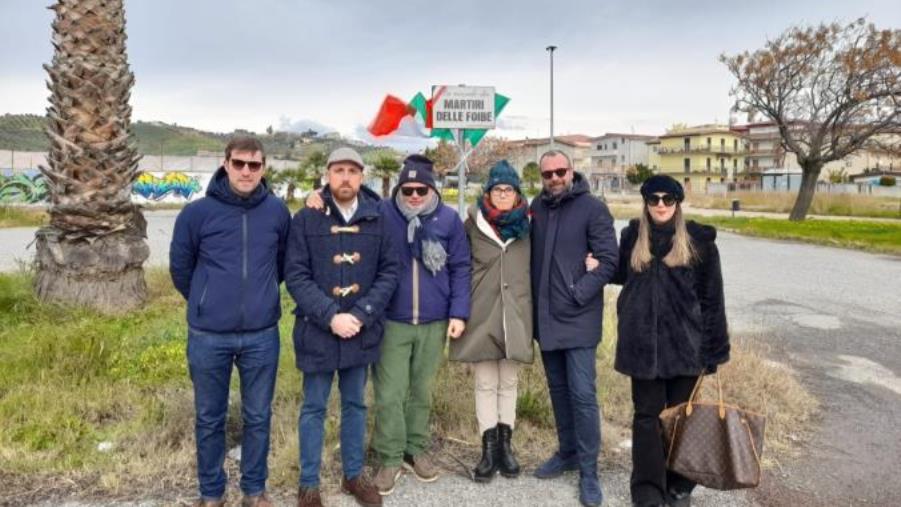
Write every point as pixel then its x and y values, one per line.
pixel 498 334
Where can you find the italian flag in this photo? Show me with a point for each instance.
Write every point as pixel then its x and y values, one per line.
pixel 394 113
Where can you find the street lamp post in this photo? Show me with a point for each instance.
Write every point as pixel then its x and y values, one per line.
pixel 550 49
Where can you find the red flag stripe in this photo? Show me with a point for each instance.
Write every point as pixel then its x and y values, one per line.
pixel 392 111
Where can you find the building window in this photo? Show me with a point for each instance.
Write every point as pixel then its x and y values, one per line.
pixel 722 144
pixel 614 146
pixel 599 147
pixel 722 163
pixel 708 163
pixel 687 144
pixel 686 164
pixel 734 164
pixel 735 145
pixel 708 143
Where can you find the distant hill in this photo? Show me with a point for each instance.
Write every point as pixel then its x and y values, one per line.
pixel 25 132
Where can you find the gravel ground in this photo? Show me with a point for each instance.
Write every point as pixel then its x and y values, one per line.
pixel 455 490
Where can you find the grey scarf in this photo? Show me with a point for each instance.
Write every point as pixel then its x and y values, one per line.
pixel 422 241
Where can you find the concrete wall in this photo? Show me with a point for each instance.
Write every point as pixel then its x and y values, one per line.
pixel 23 161
pixel 181 179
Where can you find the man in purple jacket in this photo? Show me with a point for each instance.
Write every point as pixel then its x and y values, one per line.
pixel 430 304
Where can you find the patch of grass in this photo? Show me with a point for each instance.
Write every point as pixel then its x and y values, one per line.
pixel 71 379
pixel 823 204
pixel 19 216
pixel 858 234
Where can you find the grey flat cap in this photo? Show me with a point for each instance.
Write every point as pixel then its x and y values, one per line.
pixel 345 155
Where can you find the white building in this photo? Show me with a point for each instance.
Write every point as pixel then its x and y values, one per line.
pixel 576 147
pixel 612 155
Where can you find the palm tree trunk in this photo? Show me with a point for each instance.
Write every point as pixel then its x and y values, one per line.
pixel 93 251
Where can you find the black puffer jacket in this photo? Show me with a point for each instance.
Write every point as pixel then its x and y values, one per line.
pixel 672 321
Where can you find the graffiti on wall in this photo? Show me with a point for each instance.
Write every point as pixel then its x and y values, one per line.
pixel 23 188
pixel 157 188
pixel 175 187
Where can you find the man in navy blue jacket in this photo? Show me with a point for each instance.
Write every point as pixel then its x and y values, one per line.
pixel 342 272
pixel 226 259
pixel 574 254
pixel 431 304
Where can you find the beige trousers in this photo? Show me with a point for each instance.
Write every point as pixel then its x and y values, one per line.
pixel 495 384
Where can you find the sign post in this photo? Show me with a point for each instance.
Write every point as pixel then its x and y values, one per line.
pixel 458 108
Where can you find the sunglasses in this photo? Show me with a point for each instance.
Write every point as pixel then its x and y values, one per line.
pixel 238 164
pixel 654 200
pixel 420 191
pixel 554 172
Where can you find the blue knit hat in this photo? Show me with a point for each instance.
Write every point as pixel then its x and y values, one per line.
pixel 416 169
pixel 502 173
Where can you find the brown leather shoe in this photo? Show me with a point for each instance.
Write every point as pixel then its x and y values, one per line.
pixel 422 467
pixel 261 500
pixel 386 478
pixel 363 491
pixel 308 497
pixel 210 503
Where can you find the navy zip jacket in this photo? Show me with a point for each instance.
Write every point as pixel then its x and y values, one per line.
pixel 227 258
pixel 568 301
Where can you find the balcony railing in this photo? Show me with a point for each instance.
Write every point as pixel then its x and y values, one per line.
pixel 726 150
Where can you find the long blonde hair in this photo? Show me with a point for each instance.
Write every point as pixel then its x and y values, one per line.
pixel 681 254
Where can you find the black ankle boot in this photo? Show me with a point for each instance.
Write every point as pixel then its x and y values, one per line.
pixel 507 463
pixel 487 467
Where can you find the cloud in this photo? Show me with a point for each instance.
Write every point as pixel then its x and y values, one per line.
pixel 517 123
pixel 409 138
pixel 285 124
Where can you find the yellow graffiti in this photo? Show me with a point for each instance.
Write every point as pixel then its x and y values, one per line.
pixel 177 183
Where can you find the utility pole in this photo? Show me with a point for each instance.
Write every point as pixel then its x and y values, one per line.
pixel 551 49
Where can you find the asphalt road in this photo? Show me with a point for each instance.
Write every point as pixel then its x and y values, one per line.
pixel 834 315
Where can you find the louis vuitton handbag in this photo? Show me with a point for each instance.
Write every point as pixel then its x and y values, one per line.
pixel 716 445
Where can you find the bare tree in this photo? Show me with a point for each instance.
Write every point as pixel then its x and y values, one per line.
pixel 488 152
pixel 93 250
pixel 831 90
pixel 445 156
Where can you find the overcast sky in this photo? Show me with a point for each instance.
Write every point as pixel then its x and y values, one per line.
pixel 621 66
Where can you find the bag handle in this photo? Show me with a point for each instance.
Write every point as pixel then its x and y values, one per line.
pixel 689 408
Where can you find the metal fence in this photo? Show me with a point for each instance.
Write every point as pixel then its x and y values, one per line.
pixel 793 184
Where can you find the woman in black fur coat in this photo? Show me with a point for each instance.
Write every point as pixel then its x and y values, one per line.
pixel 672 327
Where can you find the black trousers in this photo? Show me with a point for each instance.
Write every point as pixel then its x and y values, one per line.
pixel 650 478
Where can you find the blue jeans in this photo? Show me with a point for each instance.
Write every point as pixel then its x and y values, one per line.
pixel 210 360
pixel 316 390
pixel 571 378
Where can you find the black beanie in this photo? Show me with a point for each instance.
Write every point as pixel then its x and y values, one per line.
pixel 662 183
pixel 417 169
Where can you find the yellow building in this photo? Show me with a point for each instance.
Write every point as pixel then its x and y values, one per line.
pixel 699 155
